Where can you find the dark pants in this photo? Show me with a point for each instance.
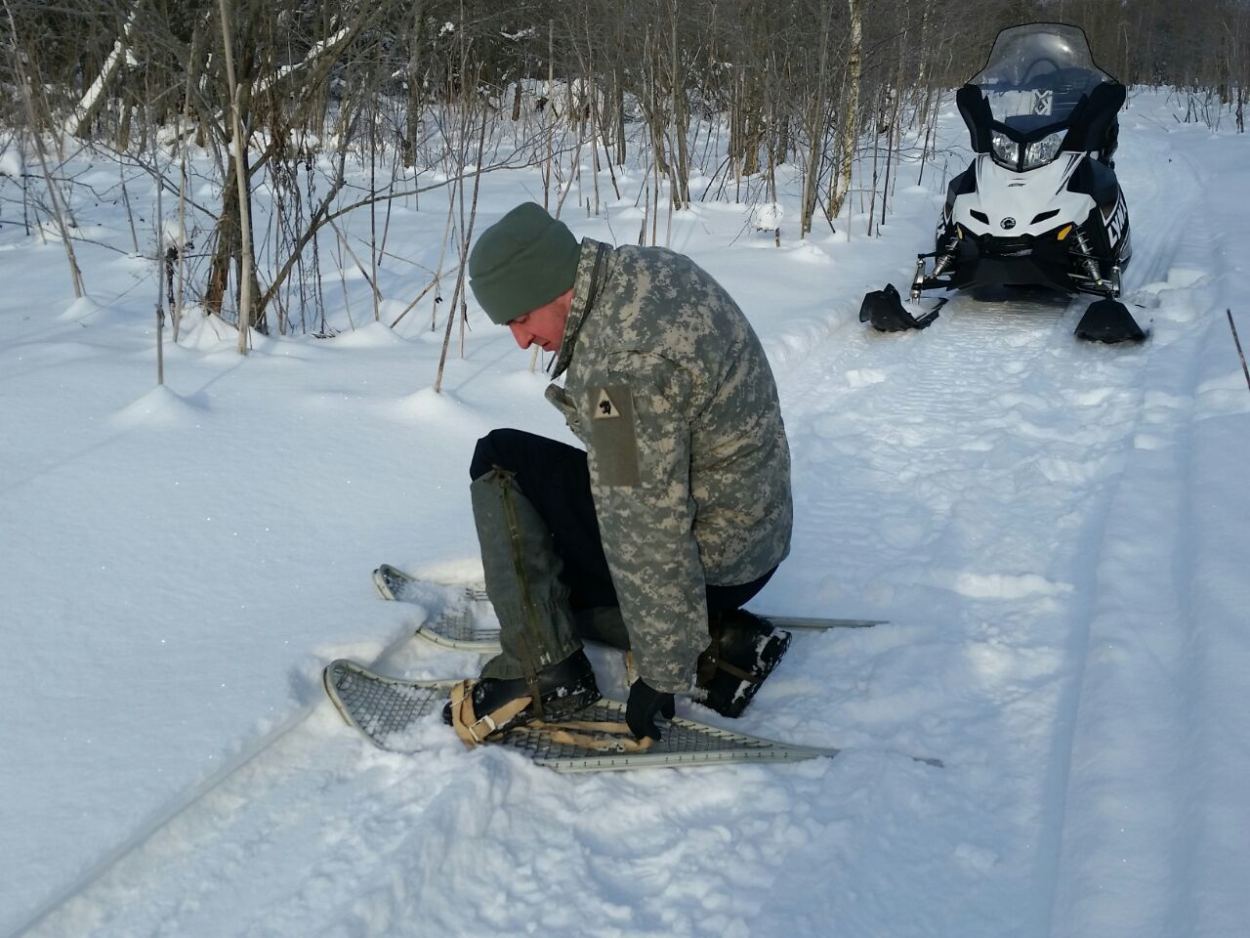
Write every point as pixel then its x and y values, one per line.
pixel 555 478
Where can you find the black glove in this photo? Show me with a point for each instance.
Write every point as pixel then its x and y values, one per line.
pixel 645 703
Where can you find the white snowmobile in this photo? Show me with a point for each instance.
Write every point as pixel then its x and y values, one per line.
pixel 1040 205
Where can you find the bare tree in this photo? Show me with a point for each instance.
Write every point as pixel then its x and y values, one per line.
pixel 340 107
pixel 59 212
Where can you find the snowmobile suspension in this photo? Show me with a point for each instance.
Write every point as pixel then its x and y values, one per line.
pixel 941 263
pixel 1091 266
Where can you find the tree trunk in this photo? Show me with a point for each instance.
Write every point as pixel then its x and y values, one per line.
pixel 412 117
pixel 54 195
pixel 94 97
pixel 841 183
pixel 815 132
pixel 679 179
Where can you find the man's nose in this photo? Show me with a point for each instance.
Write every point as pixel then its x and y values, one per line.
pixel 522 335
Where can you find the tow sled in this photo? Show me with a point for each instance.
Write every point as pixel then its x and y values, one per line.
pixel 1040 205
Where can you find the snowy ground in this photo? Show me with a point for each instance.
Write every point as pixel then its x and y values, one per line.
pixel 1055 531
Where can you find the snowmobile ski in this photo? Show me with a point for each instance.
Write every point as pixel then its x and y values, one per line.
pixel 884 309
pixel 1110 321
pixel 395 714
pixel 470 625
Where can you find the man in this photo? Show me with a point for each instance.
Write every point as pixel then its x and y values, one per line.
pixel 674 516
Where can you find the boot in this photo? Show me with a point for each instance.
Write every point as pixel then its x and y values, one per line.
pixel 743 652
pixel 564 688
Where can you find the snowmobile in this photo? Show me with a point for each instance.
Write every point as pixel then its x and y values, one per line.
pixel 1040 205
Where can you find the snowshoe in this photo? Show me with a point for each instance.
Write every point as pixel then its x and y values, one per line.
pixel 1109 321
pixel 487 707
pixel 744 651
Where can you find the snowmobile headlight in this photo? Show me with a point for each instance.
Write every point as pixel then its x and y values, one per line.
pixel 1006 150
pixel 1041 152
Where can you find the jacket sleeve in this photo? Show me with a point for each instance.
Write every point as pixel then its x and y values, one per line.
pixel 635 412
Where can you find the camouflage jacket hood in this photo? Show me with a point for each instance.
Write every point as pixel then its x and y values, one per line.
pixel 669 389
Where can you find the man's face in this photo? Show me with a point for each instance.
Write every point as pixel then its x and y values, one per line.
pixel 544 326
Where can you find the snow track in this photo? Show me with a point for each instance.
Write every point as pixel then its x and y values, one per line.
pixel 1143 827
pixel 394 845
pixel 1098 440
pixel 261 750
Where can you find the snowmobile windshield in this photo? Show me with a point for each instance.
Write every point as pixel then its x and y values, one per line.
pixel 1037 75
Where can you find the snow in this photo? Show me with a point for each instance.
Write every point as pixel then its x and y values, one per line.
pixel 10 160
pixel 1055 531
pixel 767 216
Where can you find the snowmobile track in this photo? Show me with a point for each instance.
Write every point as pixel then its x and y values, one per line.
pixel 1027 368
pixel 1155 226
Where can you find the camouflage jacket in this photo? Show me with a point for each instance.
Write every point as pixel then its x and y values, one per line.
pixel 671 393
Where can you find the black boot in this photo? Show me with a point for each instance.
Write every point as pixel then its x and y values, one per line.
pixel 565 688
pixel 743 652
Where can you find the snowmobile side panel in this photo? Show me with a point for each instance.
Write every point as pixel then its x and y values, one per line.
pixel 1096 180
pixel 964 183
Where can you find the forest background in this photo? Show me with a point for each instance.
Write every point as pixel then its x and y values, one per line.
pixel 354 107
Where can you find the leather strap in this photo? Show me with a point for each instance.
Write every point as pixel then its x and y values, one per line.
pixel 472 729
pixel 588 734
pixel 600 736
pixel 711 661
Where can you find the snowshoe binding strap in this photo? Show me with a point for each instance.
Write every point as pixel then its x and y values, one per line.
pixel 601 736
pixel 474 730
pixel 744 650
pixel 631 669
pixel 885 310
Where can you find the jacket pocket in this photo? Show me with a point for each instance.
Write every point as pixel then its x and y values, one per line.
pixel 613 435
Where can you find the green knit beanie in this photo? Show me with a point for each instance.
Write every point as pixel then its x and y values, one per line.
pixel 523 261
